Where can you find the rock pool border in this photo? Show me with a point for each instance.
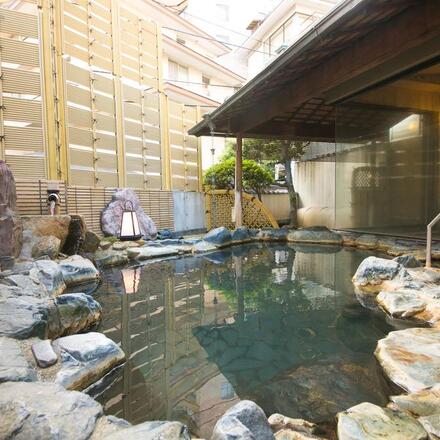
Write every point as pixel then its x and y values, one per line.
pixel 397 285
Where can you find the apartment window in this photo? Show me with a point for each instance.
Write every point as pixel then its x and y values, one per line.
pixel 222 12
pixel 177 72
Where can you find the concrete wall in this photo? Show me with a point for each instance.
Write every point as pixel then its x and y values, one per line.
pixel 189 211
pixel 278 205
pixel 315 184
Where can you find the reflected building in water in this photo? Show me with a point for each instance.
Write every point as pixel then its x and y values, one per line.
pixel 203 332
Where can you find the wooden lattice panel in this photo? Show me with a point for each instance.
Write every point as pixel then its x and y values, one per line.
pixel 219 206
pixel 21 109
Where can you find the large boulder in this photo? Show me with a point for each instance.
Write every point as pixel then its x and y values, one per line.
pixel 219 236
pixel 11 228
pixel 25 285
pixel 47 246
pixel 371 422
pixel 77 312
pixel 241 235
pixel 78 270
pixel 411 357
pixel 76 235
pixel 160 430
pixel 245 420
pixel 37 226
pixel 317 234
pixel 108 425
pixel 91 242
pixel 13 365
pixel 22 317
pixel 51 276
pixel 273 234
pixel 374 271
pixel 46 411
pixel 86 358
pixel 111 216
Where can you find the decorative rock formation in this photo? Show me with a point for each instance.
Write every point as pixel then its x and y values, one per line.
pixel 286 428
pixel 11 228
pixel 46 247
pixel 78 270
pixel 241 235
pixel 370 422
pixel 107 426
pixel 51 276
pixel 76 236
pixel 111 215
pixel 13 365
pixel 317 234
pixel 86 358
pixel 218 236
pixel 411 358
pixel 245 420
pixel 37 228
pixel 24 316
pixel 77 312
pixel 373 271
pixel 46 411
pixel 273 234
pixel 408 261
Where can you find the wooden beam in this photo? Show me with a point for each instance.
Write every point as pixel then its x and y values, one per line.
pixel 408 30
pixel 239 183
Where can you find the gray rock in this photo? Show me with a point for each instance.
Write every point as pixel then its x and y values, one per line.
pixel 401 304
pixel 104 244
pixel 349 238
pixel 11 228
pixel 124 245
pixel 26 316
pixel 85 358
pixel 50 274
pixel 108 425
pixel 245 420
pixel 240 235
pixel 371 422
pixel 29 285
pixel 111 216
pixel 46 246
pixel 203 246
pixel 408 261
pixel 423 403
pixel 432 425
pixel 319 235
pixel 91 242
pixel 411 358
pixel 367 241
pixel 373 271
pixel 46 411
pixel 273 234
pixel 149 252
pixel 218 236
pixel 44 354
pixel 13 365
pixel 77 312
pixel 153 431
pixel 279 422
pixel 77 270
pixel 110 258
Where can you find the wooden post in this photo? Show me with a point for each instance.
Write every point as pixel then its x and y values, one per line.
pixel 239 183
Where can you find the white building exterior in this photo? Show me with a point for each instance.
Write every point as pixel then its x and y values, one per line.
pixel 191 71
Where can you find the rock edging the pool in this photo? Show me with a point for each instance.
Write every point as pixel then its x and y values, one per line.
pixel 46 355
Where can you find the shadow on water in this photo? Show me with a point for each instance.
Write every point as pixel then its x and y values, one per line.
pixel 276 324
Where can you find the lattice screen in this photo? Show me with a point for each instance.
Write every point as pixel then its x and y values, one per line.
pixel 21 112
pixel 184 149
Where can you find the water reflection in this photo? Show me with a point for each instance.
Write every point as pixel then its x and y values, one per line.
pixel 279 325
